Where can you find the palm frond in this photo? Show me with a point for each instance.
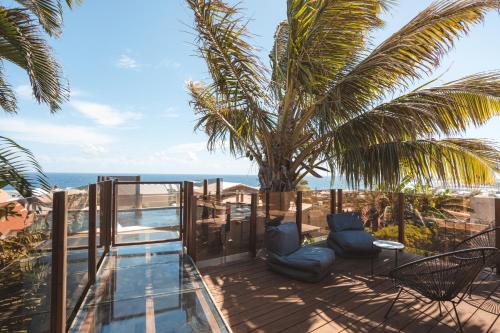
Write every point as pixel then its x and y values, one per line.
pixel 22 44
pixel 8 100
pixel 223 125
pixel 446 110
pixel 408 55
pixel 234 68
pixel 325 36
pixel 48 12
pixel 19 168
pixel 451 160
pixel 279 60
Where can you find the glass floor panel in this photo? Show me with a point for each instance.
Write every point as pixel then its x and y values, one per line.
pixel 148 288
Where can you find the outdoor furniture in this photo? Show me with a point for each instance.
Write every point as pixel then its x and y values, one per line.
pixel 348 238
pixel 287 257
pixel 485 238
pixel 388 245
pixel 441 278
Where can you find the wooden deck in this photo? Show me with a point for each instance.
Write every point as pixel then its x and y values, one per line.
pixel 252 298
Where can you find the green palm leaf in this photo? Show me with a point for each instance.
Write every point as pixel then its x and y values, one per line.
pixel 407 55
pixel 325 112
pixel 22 44
pixel 451 160
pixel 19 168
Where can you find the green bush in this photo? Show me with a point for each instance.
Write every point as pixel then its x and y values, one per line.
pixel 416 237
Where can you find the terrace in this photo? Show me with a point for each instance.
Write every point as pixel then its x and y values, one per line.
pixel 156 256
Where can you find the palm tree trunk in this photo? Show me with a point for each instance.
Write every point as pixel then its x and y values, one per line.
pixel 277 178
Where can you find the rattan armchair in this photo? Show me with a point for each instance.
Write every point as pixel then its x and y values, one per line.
pixel 442 278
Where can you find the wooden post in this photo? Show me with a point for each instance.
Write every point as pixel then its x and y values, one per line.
pixel 298 214
pixel 400 217
pixel 114 210
pixel 189 215
pixel 333 199
pixel 205 189
pixel 92 232
pixel 253 225
pixel 339 202
pixel 138 198
pixel 102 220
pixel 108 198
pixel 192 228
pixel 59 263
pixel 184 212
pixel 218 188
pixel 268 196
pixel 497 230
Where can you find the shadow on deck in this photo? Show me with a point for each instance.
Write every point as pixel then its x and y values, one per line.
pixel 252 298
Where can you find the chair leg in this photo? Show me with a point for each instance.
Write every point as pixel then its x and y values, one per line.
pixel 392 304
pixel 458 318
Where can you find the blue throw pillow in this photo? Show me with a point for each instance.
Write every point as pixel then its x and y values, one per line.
pixel 283 239
pixel 344 221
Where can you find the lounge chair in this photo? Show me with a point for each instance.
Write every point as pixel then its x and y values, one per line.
pixel 287 257
pixel 444 278
pixel 348 238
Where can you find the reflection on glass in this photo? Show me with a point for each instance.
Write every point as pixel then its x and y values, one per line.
pixel 149 288
pixel 147 212
pixel 25 263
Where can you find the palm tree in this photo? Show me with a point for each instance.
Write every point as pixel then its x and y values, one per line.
pixel 325 103
pixel 22 43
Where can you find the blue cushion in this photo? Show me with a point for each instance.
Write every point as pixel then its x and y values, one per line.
pixel 283 239
pixel 344 221
pixel 309 263
pixel 354 241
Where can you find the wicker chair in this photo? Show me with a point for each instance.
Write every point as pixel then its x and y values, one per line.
pixel 442 278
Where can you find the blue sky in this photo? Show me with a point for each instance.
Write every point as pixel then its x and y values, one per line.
pixel 127 63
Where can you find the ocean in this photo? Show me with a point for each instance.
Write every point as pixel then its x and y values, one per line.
pixel 68 180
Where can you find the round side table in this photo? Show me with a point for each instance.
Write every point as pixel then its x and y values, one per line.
pixel 388 245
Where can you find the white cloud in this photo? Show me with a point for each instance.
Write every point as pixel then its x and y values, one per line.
pixel 127 62
pixel 104 114
pixel 40 132
pixel 24 91
pixel 170 113
pixel 93 149
pixel 194 147
pixel 170 64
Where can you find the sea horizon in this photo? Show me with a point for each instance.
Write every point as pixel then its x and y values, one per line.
pixel 76 179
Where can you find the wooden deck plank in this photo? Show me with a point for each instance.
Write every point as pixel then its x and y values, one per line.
pixel 254 299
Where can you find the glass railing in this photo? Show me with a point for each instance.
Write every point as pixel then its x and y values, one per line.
pixel 25 264
pixel 147 212
pixel 78 251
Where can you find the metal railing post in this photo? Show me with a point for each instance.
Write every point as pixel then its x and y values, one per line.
pixel 59 263
pixel 400 217
pixel 340 201
pixel 92 233
pixel 253 225
pixel 333 199
pixel 298 214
